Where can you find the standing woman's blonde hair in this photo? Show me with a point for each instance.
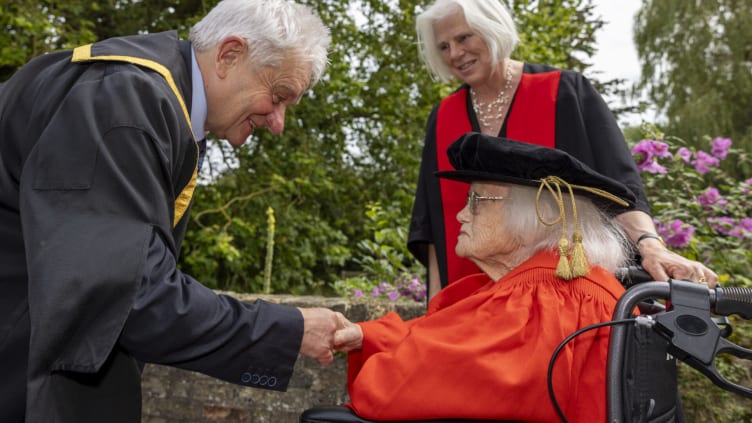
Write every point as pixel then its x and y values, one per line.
pixel 488 18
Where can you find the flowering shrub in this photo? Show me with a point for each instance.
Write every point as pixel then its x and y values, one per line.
pixel 387 269
pixel 699 209
pixel 407 287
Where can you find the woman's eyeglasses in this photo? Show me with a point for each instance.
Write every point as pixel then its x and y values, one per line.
pixel 473 199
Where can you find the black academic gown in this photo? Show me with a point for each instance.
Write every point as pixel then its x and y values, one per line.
pixel 580 123
pixel 97 169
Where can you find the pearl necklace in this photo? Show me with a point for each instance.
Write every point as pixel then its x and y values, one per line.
pixel 490 114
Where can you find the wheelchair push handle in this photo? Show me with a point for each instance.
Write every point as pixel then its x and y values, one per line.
pixel 724 301
pixel 687 324
pixel 733 300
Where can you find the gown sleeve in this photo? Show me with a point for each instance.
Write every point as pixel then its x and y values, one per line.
pixel 587 128
pixel 378 335
pixel 92 191
pixel 421 224
pixel 177 321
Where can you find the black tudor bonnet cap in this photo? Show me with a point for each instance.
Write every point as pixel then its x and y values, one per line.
pixel 480 157
pixel 483 158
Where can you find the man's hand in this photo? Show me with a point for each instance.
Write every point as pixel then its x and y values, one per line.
pixel 349 337
pixel 318 333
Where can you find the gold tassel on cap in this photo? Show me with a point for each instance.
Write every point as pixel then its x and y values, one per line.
pixel 575 264
pixel 563 270
pixel 579 264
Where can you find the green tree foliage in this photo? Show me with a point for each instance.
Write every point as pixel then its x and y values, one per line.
pixel 30 28
pixel 355 141
pixel 696 60
pixel 556 32
pixel 562 33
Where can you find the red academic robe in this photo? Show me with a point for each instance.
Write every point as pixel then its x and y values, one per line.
pixel 482 350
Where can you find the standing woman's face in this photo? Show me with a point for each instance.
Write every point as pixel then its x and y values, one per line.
pixel 462 50
pixel 483 236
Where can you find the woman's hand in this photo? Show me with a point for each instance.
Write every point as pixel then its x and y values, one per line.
pixel 658 260
pixel 663 264
pixel 349 336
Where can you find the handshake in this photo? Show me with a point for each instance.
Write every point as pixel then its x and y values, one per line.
pixel 326 331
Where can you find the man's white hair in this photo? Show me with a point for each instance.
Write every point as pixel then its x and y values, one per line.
pixel 274 30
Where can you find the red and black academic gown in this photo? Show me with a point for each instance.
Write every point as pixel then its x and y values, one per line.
pixel 482 350
pixel 97 169
pixel 553 108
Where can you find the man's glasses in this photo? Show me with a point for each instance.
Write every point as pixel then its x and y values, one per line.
pixel 473 199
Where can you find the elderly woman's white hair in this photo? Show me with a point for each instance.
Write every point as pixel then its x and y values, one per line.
pixel 488 18
pixel 604 241
pixel 274 29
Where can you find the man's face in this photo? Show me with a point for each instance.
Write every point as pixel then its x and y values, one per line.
pixel 241 97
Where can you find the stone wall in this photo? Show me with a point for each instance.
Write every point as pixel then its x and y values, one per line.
pixel 177 396
pixel 172 395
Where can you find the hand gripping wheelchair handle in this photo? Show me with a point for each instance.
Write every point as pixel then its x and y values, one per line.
pixel 693 335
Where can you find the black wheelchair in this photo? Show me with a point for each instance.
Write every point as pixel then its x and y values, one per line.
pixel 678 320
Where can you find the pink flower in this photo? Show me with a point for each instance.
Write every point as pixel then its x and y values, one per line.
pixel 746 186
pixel 651 166
pixel 650 150
pixel 676 234
pixel 393 295
pixel 722 224
pixel 711 197
pixel 412 288
pixel 720 147
pixel 744 229
pixel 704 161
pixel 685 154
pixel 738 232
pixel 660 149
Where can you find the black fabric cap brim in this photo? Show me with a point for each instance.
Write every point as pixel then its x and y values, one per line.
pixel 478 157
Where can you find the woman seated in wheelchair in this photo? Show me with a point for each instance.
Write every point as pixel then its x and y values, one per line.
pixel 536 223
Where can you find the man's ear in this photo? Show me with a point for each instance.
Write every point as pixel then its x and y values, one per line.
pixel 231 52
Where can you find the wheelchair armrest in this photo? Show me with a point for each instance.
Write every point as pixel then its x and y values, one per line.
pixel 341 414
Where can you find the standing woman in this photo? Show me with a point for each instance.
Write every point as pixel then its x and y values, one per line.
pixel 471 41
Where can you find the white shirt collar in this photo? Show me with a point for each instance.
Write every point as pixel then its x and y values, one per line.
pixel 198 103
